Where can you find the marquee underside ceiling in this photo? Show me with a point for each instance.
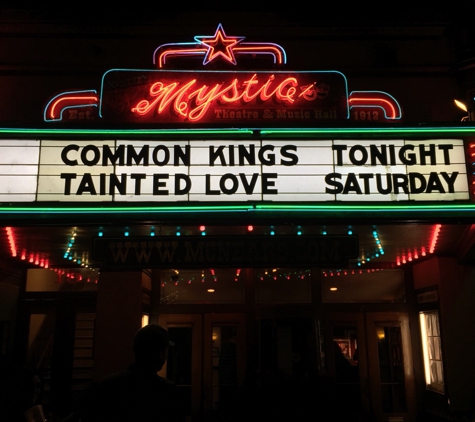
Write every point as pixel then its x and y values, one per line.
pixel 70 246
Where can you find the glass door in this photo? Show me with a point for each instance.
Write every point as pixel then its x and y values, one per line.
pixel 369 361
pixel 224 365
pixel 346 362
pixel 184 363
pixel 391 373
pixel 207 362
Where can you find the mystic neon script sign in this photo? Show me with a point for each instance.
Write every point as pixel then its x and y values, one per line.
pixel 224 98
pixel 221 98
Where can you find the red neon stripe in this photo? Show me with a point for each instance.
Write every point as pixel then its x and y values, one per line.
pixel 76 100
pixel 277 53
pixel 371 99
pixel 179 52
pixel 387 105
pixel 11 240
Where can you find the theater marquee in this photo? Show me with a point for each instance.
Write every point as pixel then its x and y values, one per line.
pixel 220 92
pixel 169 170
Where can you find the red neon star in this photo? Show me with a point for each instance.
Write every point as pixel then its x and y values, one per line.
pixel 219 45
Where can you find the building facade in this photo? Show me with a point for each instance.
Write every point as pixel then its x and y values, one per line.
pixel 292 202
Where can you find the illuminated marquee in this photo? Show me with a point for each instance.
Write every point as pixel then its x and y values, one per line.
pixel 212 98
pixel 210 171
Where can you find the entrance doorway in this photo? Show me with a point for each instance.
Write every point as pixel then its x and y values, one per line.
pixel 287 387
pixel 369 361
pixel 58 344
pixel 207 362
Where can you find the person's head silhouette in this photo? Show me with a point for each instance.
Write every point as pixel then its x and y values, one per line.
pixel 151 345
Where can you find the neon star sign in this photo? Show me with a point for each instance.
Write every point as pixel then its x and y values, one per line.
pixel 222 98
pixel 218 46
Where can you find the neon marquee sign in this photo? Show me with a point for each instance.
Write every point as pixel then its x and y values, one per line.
pixel 284 91
pixel 194 97
pixel 221 98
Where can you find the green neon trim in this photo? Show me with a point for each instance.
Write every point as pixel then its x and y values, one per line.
pixel 94 210
pixel 249 208
pixel 386 130
pixel 127 131
pixel 369 208
pixel 246 131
